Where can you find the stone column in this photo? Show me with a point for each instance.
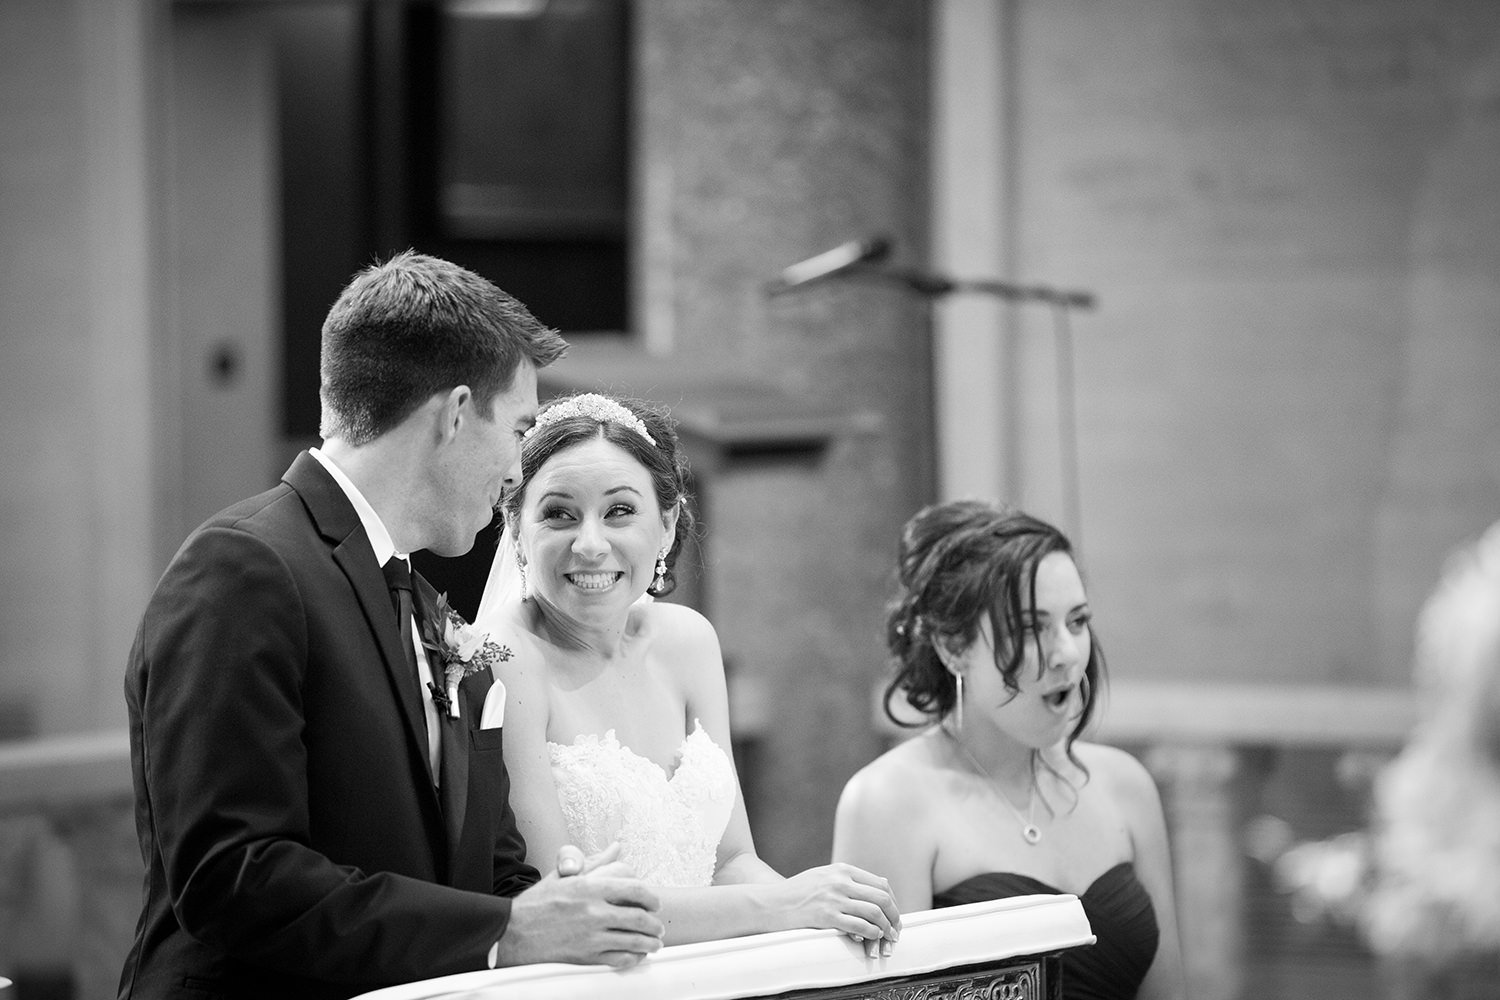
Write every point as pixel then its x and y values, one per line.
pixel 100 837
pixel 1199 789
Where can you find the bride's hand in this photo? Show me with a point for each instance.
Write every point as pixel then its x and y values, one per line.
pixel 849 899
pixel 605 864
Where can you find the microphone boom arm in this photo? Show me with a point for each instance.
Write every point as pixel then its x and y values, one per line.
pixel 935 286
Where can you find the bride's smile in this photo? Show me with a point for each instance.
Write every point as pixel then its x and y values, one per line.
pixel 593 581
pixel 591 527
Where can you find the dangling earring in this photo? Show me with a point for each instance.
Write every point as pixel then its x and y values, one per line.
pixel 958 702
pixel 522 567
pixel 661 572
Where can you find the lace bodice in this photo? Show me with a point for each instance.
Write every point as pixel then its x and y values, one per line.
pixel 668 827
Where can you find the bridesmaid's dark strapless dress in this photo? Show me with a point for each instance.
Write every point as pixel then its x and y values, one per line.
pixel 1119 912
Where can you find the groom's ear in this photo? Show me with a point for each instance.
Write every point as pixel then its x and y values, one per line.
pixel 451 408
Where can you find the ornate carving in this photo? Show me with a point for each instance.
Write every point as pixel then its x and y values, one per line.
pixel 1020 982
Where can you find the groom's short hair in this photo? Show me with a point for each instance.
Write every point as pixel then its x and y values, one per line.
pixel 413 326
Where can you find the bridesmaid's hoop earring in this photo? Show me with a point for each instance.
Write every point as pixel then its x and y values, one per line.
pixel 958 702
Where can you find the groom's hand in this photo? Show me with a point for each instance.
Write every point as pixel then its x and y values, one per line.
pixel 591 911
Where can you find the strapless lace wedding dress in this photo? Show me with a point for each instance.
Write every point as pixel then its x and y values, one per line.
pixel 668 826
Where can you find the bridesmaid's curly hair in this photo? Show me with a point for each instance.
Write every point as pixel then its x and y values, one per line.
pixel 957 562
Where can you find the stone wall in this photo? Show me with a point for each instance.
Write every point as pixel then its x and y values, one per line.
pixel 768 132
pixel 75 364
pixel 1289 395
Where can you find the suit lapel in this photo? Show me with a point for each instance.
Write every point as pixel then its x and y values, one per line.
pixel 453 766
pixel 454 791
pixel 339 523
pixel 375 601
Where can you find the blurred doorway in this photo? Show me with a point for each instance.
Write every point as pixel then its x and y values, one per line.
pixel 309 138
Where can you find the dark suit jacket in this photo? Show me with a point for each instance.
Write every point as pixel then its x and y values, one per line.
pixel 294 843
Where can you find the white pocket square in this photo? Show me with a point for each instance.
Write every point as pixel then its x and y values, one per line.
pixel 492 716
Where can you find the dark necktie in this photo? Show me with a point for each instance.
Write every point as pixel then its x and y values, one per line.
pixel 398 579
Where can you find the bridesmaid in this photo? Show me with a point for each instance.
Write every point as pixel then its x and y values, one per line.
pixel 998 797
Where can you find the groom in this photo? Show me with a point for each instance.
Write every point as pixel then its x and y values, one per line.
pixel 317 821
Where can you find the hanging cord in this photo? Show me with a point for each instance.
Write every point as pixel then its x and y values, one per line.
pixel 1067 422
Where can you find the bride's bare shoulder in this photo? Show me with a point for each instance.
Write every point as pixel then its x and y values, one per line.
pixel 678 627
pixel 523 657
pixel 685 646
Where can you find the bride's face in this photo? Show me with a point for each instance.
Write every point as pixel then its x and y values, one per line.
pixel 590 530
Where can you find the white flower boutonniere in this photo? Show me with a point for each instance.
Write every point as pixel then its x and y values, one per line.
pixel 460 649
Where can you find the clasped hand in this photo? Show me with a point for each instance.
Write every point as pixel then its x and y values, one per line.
pixel 849 899
pixel 590 911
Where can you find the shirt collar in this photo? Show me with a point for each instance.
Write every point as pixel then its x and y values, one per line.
pixel 380 538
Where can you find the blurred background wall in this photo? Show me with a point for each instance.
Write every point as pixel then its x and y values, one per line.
pixel 1278 419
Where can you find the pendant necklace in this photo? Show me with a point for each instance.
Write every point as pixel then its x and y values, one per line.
pixel 1030 832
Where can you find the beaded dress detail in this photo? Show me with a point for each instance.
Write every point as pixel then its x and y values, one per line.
pixel 668 826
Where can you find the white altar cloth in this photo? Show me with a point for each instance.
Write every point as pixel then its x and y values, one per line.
pixel 761 964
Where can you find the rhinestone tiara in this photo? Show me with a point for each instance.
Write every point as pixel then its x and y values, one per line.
pixel 595 407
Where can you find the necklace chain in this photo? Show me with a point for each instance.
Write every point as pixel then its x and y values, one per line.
pixel 1030 832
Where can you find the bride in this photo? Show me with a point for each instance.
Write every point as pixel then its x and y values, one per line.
pixel 616 717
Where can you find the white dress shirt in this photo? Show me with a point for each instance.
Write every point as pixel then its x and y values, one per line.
pixel 380 541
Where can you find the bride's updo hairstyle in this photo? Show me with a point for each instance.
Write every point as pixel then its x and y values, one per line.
pixel 957 562
pixel 646 432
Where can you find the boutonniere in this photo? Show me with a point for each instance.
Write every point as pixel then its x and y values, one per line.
pixel 461 650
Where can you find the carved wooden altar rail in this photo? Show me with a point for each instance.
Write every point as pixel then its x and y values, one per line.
pixel 1004 949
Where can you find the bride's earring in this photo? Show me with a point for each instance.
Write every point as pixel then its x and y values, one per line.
pixel 522 568
pixel 661 572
